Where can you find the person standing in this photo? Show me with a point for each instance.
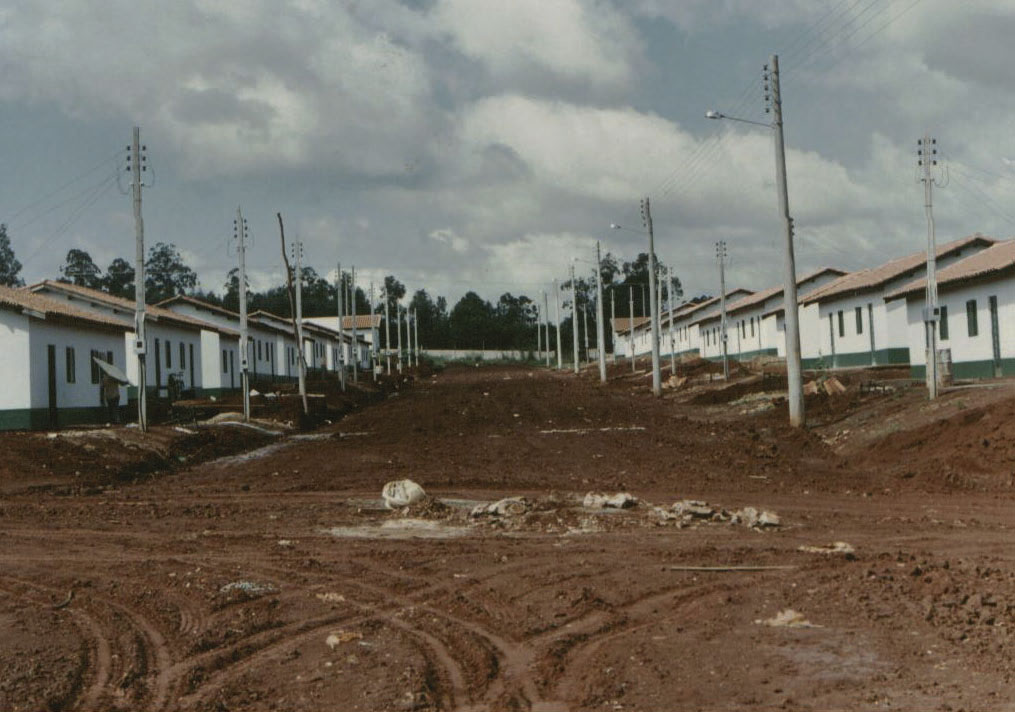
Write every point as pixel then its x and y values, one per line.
pixel 111 397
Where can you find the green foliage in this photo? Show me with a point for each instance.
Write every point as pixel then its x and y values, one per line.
pixel 166 275
pixel 79 269
pixel 10 268
pixel 119 279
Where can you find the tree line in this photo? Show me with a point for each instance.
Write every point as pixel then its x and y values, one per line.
pixel 509 323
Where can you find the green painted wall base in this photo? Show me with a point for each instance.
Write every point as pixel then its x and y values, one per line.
pixel 39 418
pixel 882 357
pixel 970 370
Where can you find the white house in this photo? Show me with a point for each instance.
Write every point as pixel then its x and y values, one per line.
pixel 367 334
pixel 266 341
pixel 200 355
pixel 855 326
pixel 46 350
pixel 976 322
pixel 755 323
pixel 621 327
pixel 688 336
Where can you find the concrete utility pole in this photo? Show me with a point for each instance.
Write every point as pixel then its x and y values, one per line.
pixel 556 314
pixel 135 160
pixel 546 319
pixel 373 341
pixel 398 331
pixel 585 327
pixel 240 233
pixel 673 343
pixel 539 337
pixel 298 256
pixel 720 255
pixel 630 326
pixel 928 159
pixel 387 329
pixel 355 335
pixel 613 319
pixel 415 329
pixel 574 320
pixel 646 214
pixel 339 294
pixel 794 375
pixel 600 326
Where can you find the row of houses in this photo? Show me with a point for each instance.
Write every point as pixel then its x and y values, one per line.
pixel 51 333
pixel 871 317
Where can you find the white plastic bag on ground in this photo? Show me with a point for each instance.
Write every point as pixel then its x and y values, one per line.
pixel 401 493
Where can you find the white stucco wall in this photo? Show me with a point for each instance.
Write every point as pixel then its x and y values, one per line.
pixel 15 363
pixel 83 392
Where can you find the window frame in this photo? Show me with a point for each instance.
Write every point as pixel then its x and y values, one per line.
pixel 972 321
pixel 942 328
pixel 70 367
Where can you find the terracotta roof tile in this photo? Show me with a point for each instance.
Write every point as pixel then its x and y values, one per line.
pixel 24 299
pixel 996 259
pixel 876 277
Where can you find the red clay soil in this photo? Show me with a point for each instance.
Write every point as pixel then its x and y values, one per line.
pixel 276 580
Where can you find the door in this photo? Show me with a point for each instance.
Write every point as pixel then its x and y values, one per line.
pixel 51 382
pixel 232 369
pixel 831 336
pixel 995 337
pixel 870 328
pixel 158 370
pixel 192 383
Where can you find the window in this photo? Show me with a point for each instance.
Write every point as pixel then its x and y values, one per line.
pixel 225 361
pixel 859 320
pixel 169 354
pixel 71 371
pixel 183 355
pixel 258 350
pixel 842 325
pixel 96 374
pixel 971 324
pixel 743 328
pixel 752 326
pixel 943 323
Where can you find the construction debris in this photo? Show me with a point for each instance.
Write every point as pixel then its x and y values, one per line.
pixel 401 493
pixel 751 517
pixel 833 386
pixel 675 382
pixel 341 636
pixel 787 619
pixel 600 500
pixel 507 507
pixel 839 547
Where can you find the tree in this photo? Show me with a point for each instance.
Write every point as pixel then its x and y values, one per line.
pixel 471 320
pixel 393 292
pixel 9 265
pixel 165 273
pixel 119 279
pixel 79 269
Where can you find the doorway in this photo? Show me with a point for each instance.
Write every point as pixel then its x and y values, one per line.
pixel 995 337
pixel 51 382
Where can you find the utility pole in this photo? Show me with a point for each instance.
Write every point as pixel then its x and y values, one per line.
pixel 398 330
pixel 613 319
pixel 600 326
pixel 240 233
pixel 928 159
pixel 794 375
pixel 585 326
pixel 556 314
pixel 415 329
pixel 137 157
pixel 720 255
pixel 630 326
pixel 387 329
pixel 339 294
pixel 298 256
pixel 355 336
pixel 373 341
pixel 646 214
pixel 539 338
pixel 546 319
pixel 673 343
pixel 574 320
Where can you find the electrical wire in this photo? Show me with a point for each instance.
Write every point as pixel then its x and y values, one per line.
pixel 90 200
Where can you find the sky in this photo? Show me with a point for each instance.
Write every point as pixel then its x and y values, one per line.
pixel 484 145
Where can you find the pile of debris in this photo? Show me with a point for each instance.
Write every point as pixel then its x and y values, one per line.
pixel 830 385
pixel 692 512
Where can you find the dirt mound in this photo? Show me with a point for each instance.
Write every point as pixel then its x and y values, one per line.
pixel 973 449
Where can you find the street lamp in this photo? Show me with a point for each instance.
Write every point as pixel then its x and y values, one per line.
pixel 793 368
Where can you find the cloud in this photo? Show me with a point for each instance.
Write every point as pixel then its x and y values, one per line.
pixel 450 238
pixel 587 40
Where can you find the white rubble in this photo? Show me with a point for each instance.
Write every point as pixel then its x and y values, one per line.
pixel 401 493
pixel 601 500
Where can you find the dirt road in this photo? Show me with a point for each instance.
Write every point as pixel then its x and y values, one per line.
pixel 278 581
